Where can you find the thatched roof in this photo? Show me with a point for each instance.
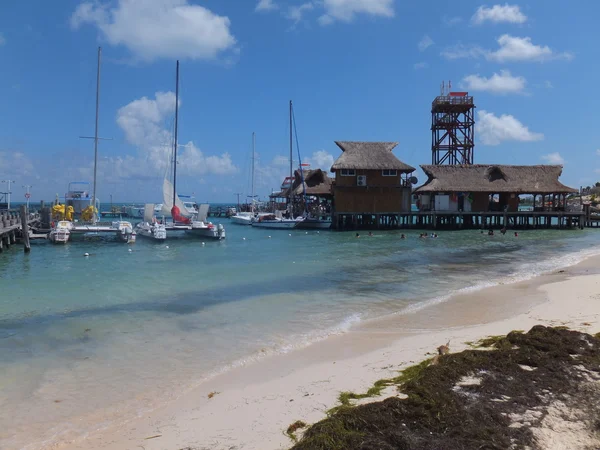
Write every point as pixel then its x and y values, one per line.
pixel 494 179
pixel 317 182
pixel 369 156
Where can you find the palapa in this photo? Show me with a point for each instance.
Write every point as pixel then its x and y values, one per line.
pixel 540 179
pixel 369 156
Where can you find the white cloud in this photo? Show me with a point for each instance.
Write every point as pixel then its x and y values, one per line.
pixel 492 130
pixel 522 49
pixel 499 13
pixel 420 65
pixel 143 122
pixel 511 49
pixel 502 83
pixel 296 13
pixel 425 43
pixel 266 5
pixel 553 158
pixel 2 40
pixel 320 160
pixel 346 10
pixel 598 151
pixel 158 29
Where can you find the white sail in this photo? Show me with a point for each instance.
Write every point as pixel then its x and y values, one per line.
pixel 168 200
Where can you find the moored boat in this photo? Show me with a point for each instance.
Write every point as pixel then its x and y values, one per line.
pixel 125 231
pixel 61 232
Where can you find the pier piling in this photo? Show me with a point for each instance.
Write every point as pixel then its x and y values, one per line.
pixel 25 228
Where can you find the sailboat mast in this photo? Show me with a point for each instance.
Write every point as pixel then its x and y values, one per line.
pixel 176 127
pixel 253 158
pixel 291 162
pixel 95 138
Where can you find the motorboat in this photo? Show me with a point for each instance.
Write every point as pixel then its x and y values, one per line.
pixel 275 221
pixel 314 223
pixel 150 227
pixel 207 230
pixel 155 230
pixel 243 218
pixel 125 231
pixel 61 232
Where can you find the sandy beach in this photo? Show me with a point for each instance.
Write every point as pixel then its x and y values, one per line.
pixel 252 406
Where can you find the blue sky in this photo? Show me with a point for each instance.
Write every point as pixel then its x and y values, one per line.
pixel 355 69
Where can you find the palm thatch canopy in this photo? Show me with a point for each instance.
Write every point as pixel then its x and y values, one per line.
pixel 316 182
pixel 540 179
pixel 369 156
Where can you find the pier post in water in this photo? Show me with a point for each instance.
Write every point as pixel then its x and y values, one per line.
pixel 25 228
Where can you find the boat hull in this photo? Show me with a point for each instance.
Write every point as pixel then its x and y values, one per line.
pixel 276 224
pixel 59 236
pixel 314 225
pixel 241 220
pixel 155 233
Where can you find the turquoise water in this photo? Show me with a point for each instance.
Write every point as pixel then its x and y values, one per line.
pixel 116 333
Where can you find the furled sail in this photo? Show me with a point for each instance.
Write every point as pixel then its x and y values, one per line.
pixel 168 200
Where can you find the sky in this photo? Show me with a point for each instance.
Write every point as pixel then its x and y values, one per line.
pixel 364 70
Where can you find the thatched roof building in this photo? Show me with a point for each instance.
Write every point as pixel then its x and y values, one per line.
pixel 541 179
pixel 317 183
pixel 369 156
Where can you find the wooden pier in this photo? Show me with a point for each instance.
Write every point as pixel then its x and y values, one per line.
pixel 522 220
pixel 16 226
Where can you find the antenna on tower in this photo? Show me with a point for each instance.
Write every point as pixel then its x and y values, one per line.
pixel 442 89
pixel 449 86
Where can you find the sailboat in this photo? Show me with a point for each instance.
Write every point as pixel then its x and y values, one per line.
pixel 277 221
pixel 193 223
pixel 246 218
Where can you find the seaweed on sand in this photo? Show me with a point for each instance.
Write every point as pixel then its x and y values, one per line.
pixel 468 400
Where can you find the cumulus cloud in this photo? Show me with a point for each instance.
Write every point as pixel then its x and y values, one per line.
pixel 425 43
pixel 510 49
pixel 144 123
pixel 553 158
pixel 499 13
pixel 266 5
pixel 498 83
pixel 11 160
pixel 2 40
pixel 493 130
pixel 320 160
pixel 152 30
pixel 522 49
pixel 347 10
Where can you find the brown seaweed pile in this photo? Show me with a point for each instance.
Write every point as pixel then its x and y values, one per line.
pixel 536 390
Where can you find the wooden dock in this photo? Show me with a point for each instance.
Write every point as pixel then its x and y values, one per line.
pixel 522 220
pixel 15 225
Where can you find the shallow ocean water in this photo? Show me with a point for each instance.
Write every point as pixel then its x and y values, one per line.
pixel 119 332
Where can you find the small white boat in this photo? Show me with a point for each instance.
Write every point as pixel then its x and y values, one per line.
pixel 207 230
pixel 243 218
pixel 61 232
pixel 125 231
pixel 274 222
pixel 314 223
pixel 156 231
pixel 150 228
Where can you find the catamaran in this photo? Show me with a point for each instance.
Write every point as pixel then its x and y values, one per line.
pixel 196 223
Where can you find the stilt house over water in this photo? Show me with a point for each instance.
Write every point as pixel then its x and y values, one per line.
pixel 484 188
pixel 314 195
pixel 372 186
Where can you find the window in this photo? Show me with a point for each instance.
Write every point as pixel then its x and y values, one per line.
pixel 389 173
pixel 348 172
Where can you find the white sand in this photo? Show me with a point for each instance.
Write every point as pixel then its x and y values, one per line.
pixel 256 403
